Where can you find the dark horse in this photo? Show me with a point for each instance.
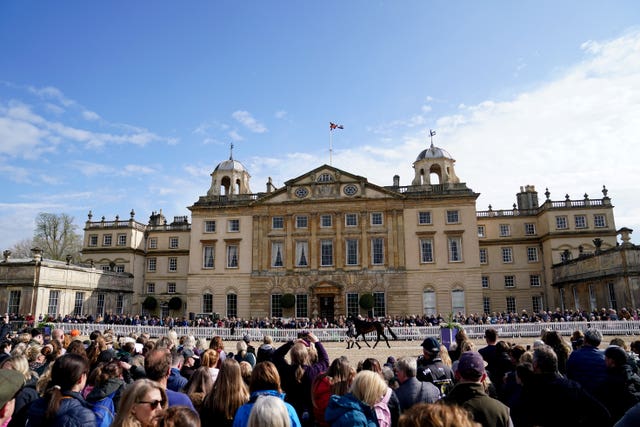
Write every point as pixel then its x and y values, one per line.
pixel 363 327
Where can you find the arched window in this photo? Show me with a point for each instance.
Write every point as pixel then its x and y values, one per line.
pixel 225 186
pixel 207 303
pixel 435 175
pixel 429 302
pixel 457 301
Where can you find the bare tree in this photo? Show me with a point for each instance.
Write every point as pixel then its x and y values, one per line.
pixel 56 235
pixel 22 249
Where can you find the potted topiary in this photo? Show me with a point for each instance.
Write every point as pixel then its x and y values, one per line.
pixel 288 301
pixel 449 330
pixel 175 303
pixel 150 303
pixel 366 303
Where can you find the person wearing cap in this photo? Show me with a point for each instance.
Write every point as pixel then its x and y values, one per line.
pixel 411 390
pixel 550 399
pixel 470 394
pixel 10 384
pixel 189 365
pixel 586 365
pixel 431 368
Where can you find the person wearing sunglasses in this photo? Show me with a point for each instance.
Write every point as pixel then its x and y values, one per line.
pixel 141 404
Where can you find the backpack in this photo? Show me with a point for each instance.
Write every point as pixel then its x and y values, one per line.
pixel 104 411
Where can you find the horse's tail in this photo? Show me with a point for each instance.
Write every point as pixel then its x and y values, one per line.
pixel 393 335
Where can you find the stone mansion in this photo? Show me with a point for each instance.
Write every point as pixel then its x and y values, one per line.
pixel 324 239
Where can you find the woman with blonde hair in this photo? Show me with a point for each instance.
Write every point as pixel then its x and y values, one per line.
pixel 141 404
pixel 218 345
pixel 242 355
pixel 229 393
pixel 269 411
pixel 356 407
pixel 210 360
pixel 27 393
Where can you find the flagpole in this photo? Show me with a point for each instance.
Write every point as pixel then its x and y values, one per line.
pixel 330 146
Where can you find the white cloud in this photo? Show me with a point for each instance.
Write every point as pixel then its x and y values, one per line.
pixel 138 170
pixel 235 136
pixel 90 115
pixel 280 114
pixel 247 120
pixel 571 134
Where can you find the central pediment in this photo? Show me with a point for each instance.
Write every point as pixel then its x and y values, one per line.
pixel 327 183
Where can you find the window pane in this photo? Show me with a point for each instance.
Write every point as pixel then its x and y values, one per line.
pixel 424 218
pixel 457 300
pixel 426 250
pixel 277 256
pixel 352 251
pixel 277 223
pixel 208 257
pixel 232 305
pixel 276 307
pixel 352 304
pixel 302 254
pixel 429 302
pixel 376 218
pixel 455 249
pixel 209 226
pixel 302 306
pixel 379 309
pixel 232 256
pixel 326 253
pixel 207 303
pixel 14 302
pixel 377 251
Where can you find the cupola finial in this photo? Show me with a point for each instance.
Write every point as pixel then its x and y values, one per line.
pixel 432 133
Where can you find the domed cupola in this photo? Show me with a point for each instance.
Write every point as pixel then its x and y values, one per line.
pixel 229 177
pixel 433 164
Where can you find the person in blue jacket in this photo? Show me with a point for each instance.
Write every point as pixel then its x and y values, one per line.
pixel 355 409
pixel 62 404
pixel 265 381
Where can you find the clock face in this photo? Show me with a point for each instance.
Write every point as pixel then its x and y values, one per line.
pixel 302 192
pixel 350 189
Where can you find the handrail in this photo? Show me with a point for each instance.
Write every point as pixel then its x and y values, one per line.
pixel 508 330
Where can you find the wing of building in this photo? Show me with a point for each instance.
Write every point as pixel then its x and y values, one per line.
pixel 317 245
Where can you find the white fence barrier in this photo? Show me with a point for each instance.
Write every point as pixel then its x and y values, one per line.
pixel 515 330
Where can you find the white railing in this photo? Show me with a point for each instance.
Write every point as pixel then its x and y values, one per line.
pixel 515 330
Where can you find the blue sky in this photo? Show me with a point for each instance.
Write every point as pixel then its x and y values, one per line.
pixel 109 106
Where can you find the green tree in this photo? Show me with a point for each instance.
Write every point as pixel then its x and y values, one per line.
pixel 56 235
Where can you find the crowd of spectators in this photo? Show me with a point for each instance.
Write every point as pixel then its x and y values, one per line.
pixel 51 378
pixel 494 318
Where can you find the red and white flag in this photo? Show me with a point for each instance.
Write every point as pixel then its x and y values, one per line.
pixel 333 126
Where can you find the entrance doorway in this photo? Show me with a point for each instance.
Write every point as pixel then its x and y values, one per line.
pixel 326 307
